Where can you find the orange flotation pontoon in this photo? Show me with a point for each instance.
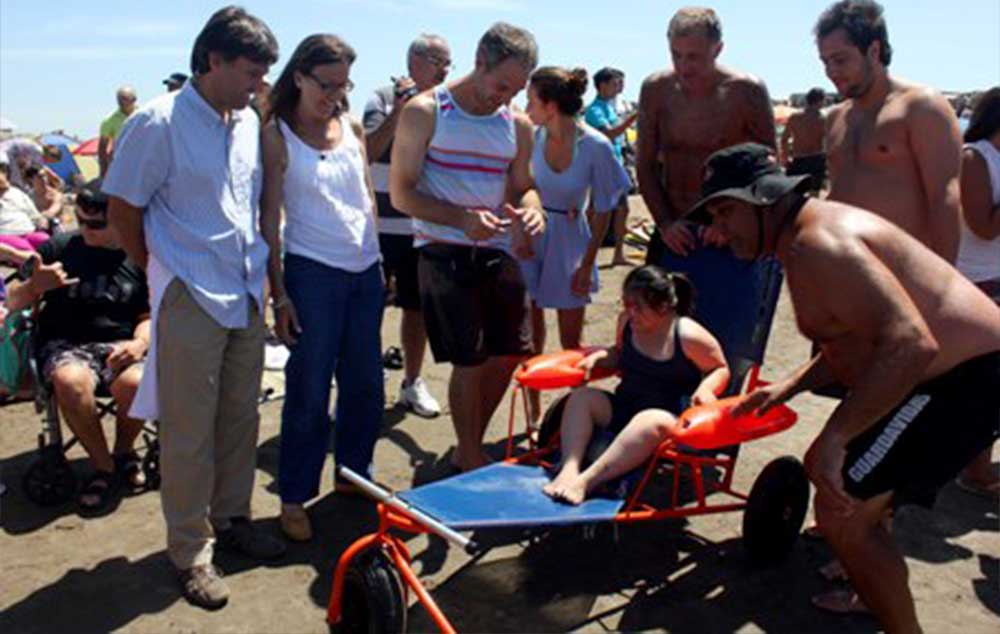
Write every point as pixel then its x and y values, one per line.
pixel 555 370
pixel 713 425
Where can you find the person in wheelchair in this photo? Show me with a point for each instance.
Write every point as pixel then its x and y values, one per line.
pixel 93 333
pixel 666 360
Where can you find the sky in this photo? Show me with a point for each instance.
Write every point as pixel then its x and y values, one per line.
pixel 61 62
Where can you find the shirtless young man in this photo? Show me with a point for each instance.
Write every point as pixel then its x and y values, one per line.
pixel 802 140
pixel 461 167
pixel 893 147
pixel 687 113
pixel 916 342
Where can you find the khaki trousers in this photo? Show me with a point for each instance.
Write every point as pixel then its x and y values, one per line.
pixel 208 386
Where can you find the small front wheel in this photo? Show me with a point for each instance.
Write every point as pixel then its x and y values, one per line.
pixel 373 601
pixel 49 481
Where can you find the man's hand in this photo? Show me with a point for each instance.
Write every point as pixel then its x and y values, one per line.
pixel 678 238
pixel 286 322
pixel 761 400
pixel 46 277
pixel 403 92
pixel 126 353
pixel 580 282
pixel 530 218
pixel 482 224
pixel 824 463
pixel 711 236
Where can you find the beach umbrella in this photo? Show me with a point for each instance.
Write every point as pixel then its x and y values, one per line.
pixel 89 167
pixel 65 166
pixel 57 139
pixel 87 148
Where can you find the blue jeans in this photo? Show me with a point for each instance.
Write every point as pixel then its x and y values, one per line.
pixel 341 318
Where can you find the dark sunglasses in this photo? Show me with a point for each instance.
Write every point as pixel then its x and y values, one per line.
pixel 92 223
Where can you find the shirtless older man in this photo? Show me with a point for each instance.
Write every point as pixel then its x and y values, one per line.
pixel 687 113
pixel 803 138
pixel 917 344
pixel 893 147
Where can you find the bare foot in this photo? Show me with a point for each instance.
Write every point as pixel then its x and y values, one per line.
pixel 558 483
pixel 620 260
pixel 571 491
pixel 833 571
pixel 841 602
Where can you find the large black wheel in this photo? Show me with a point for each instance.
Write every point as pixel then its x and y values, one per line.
pixel 373 601
pixel 548 431
pixel 775 511
pixel 49 481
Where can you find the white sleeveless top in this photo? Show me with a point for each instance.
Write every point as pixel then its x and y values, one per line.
pixel 979 259
pixel 329 214
pixel 466 165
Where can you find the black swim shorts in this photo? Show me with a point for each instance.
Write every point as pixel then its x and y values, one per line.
pixel 930 436
pixel 474 302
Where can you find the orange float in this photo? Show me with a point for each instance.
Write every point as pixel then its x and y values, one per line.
pixel 713 425
pixel 556 370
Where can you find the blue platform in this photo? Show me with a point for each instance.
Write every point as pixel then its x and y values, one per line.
pixel 501 496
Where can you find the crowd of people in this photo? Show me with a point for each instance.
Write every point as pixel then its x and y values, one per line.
pixel 479 216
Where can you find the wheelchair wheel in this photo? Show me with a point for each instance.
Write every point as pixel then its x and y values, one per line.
pixel 151 464
pixel 49 481
pixel 775 511
pixel 551 421
pixel 373 600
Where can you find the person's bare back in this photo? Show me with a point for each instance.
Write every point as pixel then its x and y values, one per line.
pixel 684 129
pixel 807 129
pixel 900 159
pixel 959 317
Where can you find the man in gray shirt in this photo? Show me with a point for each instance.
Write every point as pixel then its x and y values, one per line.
pixel 185 190
pixel 428 62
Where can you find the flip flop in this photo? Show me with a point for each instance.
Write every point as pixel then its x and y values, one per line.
pixel 833 571
pixel 129 466
pixel 841 602
pixel 393 358
pixel 813 532
pixel 989 493
pixel 102 485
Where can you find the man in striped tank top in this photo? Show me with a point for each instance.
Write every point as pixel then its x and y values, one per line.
pixel 461 168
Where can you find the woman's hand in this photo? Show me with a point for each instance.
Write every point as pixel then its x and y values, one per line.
pixel 580 282
pixel 588 362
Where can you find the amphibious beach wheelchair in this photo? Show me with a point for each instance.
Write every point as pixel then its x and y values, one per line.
pixel 373 578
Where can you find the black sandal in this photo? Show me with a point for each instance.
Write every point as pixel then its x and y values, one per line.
pixel 102 485
pixel 393 358
pixel 129 468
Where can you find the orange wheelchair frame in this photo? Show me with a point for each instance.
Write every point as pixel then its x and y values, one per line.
pixel 368 572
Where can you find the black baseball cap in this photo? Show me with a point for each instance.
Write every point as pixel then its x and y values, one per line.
pixel 175 78
pixel 747 172
pixel 91 196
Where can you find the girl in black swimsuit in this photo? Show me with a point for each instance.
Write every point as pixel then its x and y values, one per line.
pixel 666 360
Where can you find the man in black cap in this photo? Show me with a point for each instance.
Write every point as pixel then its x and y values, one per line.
pixel 175 81
pixel 917 345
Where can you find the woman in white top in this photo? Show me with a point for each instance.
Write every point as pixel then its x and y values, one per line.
pixel 979 249
pixel 327 288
